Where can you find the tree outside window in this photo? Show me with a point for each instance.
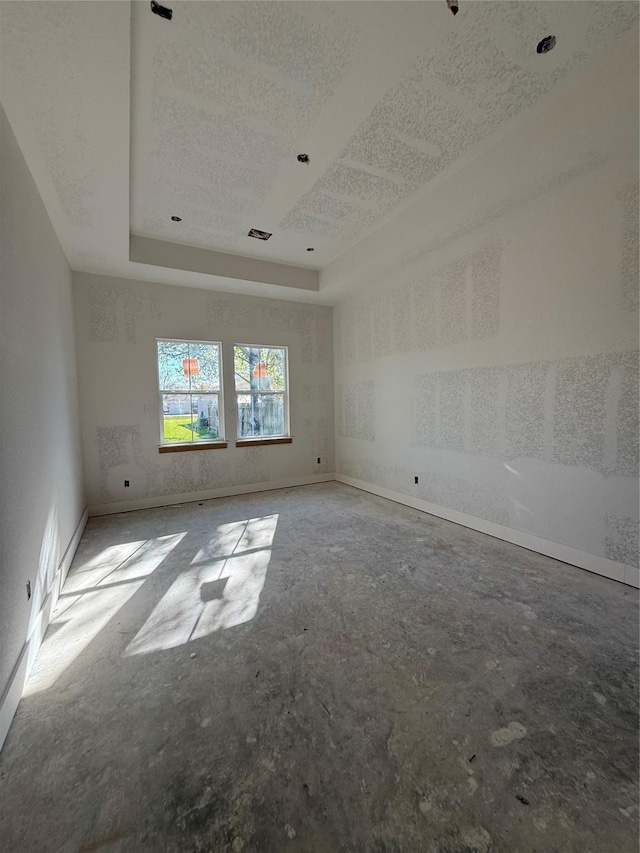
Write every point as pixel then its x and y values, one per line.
pixel 261 391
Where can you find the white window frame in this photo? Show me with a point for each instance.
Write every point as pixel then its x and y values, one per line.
pixel 220 394
pixel 284 393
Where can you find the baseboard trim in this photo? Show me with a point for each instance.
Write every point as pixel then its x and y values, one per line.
pixel 598 565
pixel 20 674
pixel 207 494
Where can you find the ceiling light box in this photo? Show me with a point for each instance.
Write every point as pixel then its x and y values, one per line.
pixel 259 235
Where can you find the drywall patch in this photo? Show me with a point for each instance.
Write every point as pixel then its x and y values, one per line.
pixel 305 223
pixel 382 326
pixel 325 214
pixel 485 270
pixel 425 410
pixel 312 54
pixel 302 322
pixel 115 312
pixel 452 281
pixel 524 411
pixel 626 415
pixel 315 393
pixel 596 413
pixel 345 179
pixel 121 446
pixel 484 408
pixel 178 476
pixel 451 304
pixel 364 333
pixel 464 495
pixel 312 324
pixel 322 333
pixel 214 471
pixel 192 472
pixel 581 388
pixel 349 340
pixel 424 314
pixel 402 321
pixel 621 542
pixel 103 313
pixel 252 466
pixel 578 411
pixel 453 393
pixel 629 201
pixel 356 410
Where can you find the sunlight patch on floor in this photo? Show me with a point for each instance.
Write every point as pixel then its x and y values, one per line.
pixel 220 590
pixel 92 596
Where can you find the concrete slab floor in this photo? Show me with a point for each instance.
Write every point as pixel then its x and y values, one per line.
pixel 319 669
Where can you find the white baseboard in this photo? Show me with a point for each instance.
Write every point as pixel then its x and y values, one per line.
pixel 189 497
pixel 20 674
pixel 592 563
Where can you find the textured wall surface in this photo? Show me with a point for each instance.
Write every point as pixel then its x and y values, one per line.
pixel 501 368
pixel 222 101
pixel 118 322
pixel 41 499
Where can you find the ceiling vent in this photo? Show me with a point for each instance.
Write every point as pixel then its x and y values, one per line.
pixel 161 11
pixel 259 235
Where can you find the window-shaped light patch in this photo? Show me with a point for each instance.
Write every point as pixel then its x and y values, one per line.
pixel 219 590
pixel 261 384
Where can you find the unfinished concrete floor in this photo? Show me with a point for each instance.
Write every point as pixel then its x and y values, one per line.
pixel 319 669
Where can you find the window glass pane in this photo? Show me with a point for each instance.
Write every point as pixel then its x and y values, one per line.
pixel 176 417
pixel 260 368
pixel 204 367
pixel 260 415
pixel 172 358
pixel 206 417
pixel 242 360
pixel 272 369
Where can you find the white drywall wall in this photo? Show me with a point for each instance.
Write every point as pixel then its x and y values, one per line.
pixel 41 495
pixel 490 344
pixel 502 368
pixel 118 322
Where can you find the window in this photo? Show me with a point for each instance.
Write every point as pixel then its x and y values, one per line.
pixel 261 391
pixel 190 388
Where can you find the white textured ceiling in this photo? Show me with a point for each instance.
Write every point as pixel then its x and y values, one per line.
pixel 226 94
pixel 127 119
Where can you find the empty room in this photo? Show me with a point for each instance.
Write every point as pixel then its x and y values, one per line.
pixel 319 426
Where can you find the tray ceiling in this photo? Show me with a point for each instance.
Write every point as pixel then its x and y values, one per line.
pixel 127 119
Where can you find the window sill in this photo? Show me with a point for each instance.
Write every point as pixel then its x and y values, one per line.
pixel 258 442
pixel 199 445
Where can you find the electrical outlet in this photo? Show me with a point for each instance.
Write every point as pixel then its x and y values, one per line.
pixel 28 590
pixel 415 480
pixel 126 484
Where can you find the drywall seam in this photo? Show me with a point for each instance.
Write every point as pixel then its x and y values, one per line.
pixel 207 494
pixel 13 693
pixel 590 562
